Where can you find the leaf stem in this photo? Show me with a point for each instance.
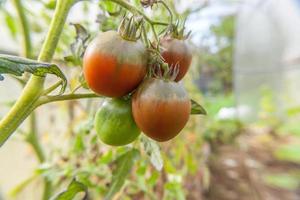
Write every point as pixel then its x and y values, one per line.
pixel 33 139
pixel 49 99
pixel 169 10
pixel 52 87
pixel 134 10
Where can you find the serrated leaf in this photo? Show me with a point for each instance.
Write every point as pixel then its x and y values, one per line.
pixel 153 151
pixel 197 109
pixel 78 46
pixel 17 66
pixel 81 33
pixel 124 163
pixel 73 189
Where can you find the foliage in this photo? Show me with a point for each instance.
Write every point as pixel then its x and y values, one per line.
pixel 216 57
pixel 83 167
pixel 17 66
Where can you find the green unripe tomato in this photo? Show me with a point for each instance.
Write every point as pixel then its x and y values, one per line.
pixel 114 123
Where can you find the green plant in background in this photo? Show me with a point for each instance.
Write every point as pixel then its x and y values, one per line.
pixel 215 57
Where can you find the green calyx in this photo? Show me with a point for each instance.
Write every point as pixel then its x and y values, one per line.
pixel 177 31
pixel 129 28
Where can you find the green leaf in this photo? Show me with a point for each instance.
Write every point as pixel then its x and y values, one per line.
pixel 17 66
pixel 73 189
pixel 153 151
pixel 124 163
pixel 197 109
pixel 79 46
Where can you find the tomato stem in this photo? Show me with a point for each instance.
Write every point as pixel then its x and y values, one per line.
pixel 50 99
pixel 32 136
pixel 34 87
pixel 134 10
pixel 52 87
pixel 169 10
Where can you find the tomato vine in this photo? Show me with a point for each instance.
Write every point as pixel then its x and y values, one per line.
pixel 35 94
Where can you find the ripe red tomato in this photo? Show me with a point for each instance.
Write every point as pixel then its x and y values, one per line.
pixel 114 66
pixel 161 108
pixel 176 52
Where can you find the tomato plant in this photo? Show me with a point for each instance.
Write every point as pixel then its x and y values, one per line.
pixel 161 108
pixel 114 123
pixel 113 64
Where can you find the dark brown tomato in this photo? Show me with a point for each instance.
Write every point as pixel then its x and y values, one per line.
pixel 161 108
pixel 114 66
pixel 177 52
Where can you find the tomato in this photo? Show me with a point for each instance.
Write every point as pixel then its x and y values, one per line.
pixel 176 52
pixel 161 108
pixel 114 123
pixel 114 66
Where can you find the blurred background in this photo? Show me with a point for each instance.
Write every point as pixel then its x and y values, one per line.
pixel 245 72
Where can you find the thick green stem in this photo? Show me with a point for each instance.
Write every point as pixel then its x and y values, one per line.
pixel 32 137
pixel 34 88
pixel 27 52
pixel 55 30
pixel 21 109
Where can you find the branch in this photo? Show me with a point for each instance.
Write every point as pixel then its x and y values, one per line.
pixel 49 99
pixel 134 10
pixel 52 87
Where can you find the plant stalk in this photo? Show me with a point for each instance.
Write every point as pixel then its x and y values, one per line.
pixel 134 10
pixel 34 88
pixel 49 99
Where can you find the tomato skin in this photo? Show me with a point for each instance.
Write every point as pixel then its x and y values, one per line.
pixel 161 108
pixel 176 52
pixel 114 123
pixel 113 66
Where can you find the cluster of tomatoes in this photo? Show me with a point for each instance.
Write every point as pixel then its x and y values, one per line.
pixel 116 65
